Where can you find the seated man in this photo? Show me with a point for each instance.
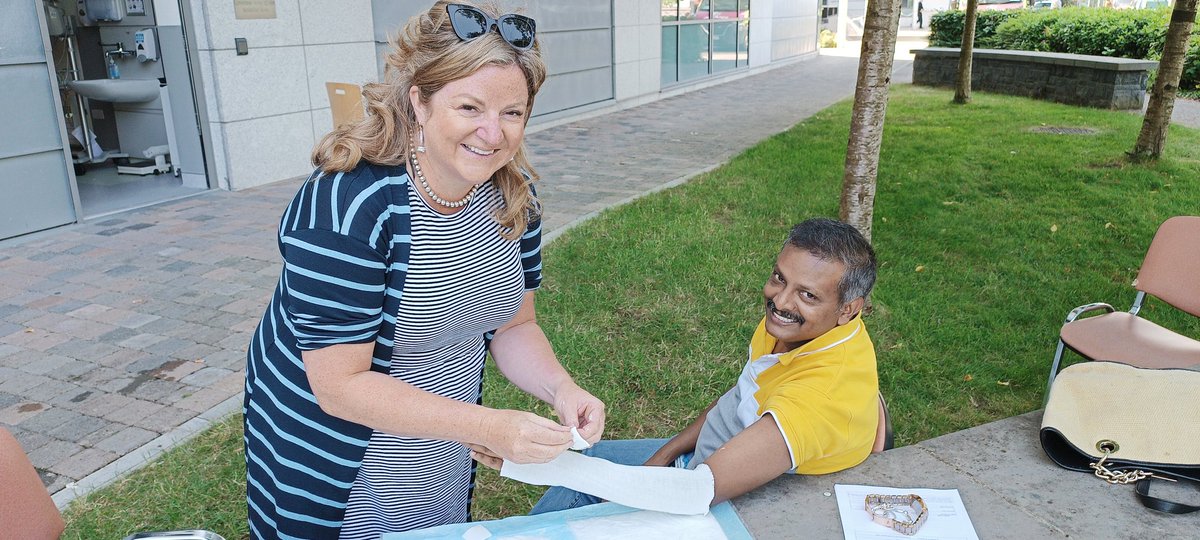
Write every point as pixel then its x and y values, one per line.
pixel 806 400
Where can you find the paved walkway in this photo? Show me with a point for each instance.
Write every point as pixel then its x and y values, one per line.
pixel 121 337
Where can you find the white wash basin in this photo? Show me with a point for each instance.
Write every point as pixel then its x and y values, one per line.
pixel 117 90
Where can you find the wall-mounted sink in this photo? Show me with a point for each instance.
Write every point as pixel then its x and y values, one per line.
pixel 117 90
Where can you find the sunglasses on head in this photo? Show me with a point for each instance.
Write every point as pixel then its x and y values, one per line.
pixel 470 23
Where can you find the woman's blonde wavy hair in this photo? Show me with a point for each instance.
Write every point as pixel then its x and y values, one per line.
pixel 427 54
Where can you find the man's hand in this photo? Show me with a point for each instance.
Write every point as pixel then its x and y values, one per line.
pixel 577 408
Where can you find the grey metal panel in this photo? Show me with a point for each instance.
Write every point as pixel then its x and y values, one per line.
pixel 33 164
pixel 573 90
pixel 387 16
pixel 562 15
pixel 20 39
pixel 566 52
pixel 43 195
pixel 27 111
pixel 183 102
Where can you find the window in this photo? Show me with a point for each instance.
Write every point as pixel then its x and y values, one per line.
pixel 703 37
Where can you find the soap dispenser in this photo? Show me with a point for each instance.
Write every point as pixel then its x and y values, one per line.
pixel 145 45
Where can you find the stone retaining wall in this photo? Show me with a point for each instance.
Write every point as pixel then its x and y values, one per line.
pixel 1075 79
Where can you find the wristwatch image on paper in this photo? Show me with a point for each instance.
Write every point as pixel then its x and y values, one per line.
pixel 901 513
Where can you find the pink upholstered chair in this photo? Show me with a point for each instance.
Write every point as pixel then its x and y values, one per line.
pixel 1171 273
pixel 884 438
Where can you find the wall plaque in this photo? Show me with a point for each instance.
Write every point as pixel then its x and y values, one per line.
pixel 254 9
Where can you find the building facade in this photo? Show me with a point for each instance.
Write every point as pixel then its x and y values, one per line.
pixel 113 104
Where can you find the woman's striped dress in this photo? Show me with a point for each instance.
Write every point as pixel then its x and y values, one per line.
pixel 367 260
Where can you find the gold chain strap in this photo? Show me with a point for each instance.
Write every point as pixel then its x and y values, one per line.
pixel 1123 477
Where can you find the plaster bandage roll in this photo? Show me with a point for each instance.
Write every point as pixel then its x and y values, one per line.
pixel 663 489
pixel 577 440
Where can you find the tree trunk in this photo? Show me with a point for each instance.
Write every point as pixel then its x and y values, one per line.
pixel 962 87
pixel 870 106
pixel 1153 137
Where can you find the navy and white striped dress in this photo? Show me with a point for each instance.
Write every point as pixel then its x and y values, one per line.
pixel 367 260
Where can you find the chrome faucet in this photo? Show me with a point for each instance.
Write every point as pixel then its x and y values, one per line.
pixel 119 51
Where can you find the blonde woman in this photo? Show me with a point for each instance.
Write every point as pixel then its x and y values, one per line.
pixel 411 253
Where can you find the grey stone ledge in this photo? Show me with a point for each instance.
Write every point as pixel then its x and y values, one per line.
pixel 1108 63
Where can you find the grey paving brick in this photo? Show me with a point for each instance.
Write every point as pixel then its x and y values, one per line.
pixel 83 462
pixel 101 404
pixel 67 305
pixel 165 419
pixel 126 440
pixel 133 413
pixel 77 427
pixel 21 411
pixel 54 389
pixel 158 390
pixel 48 419
pixel 17 382
pixel 119 335
pixel 7 399
pixel 53 452
pixel 88 350
pixel 206 376
pixel 141 341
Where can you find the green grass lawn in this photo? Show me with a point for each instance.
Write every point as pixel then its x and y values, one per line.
pixel 987 233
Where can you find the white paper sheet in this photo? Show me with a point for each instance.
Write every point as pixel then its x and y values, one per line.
pixel 947 519
pixel 664 489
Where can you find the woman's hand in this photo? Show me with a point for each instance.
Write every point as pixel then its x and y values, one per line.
pixel 485 456
pixel 577 408
pixel 523 437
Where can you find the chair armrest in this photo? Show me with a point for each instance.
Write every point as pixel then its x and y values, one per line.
pixel 1075 313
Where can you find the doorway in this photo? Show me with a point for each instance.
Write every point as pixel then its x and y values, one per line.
pixel 129 108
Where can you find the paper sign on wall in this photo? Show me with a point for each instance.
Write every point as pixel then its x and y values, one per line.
pixel 254 9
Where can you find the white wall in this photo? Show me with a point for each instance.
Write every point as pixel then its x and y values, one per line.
pixel 637 48
pixel 267 109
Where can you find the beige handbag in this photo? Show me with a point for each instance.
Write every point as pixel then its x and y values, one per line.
pixel 1126 424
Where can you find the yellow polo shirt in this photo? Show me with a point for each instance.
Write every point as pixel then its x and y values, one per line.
pixel 822 396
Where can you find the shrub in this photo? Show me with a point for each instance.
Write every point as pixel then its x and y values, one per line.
pixel 1127 33
pixel 1190 80
pixel 946 27
pixel 826 39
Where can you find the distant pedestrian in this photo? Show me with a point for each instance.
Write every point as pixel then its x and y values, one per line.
pixel 920 14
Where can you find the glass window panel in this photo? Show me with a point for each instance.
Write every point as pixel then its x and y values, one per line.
pixel 693 51
pixel 744 6
pixel 743 46
pixel 724 43
pixel 724 9
pixel 670 55
pixel 670 10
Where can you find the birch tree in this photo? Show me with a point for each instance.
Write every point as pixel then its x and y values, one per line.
pixel 870 107
pixel 1153 137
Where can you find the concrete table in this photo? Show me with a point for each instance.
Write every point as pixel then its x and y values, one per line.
pixel 1008 485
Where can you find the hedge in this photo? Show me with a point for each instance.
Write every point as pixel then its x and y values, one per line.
pixel 946 27
pixel 1127 33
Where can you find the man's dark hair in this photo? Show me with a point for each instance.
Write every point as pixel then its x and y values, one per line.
pixel 833 240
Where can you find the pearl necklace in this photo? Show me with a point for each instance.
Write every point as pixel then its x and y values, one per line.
pixel 416 165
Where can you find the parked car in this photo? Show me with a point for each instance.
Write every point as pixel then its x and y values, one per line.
pixel 1047 4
